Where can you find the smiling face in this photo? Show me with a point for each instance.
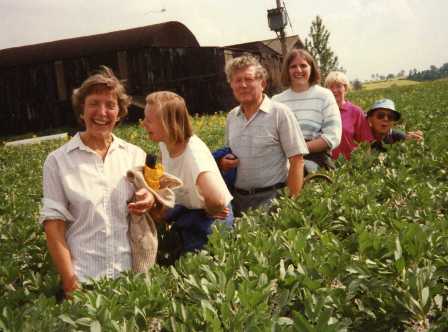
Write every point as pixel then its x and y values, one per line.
pixel 299 73
pixel 381 121
pixel 153 124
pixel 247 87
pixel 100 112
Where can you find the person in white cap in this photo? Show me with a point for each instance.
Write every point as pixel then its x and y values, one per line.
pixel 382 117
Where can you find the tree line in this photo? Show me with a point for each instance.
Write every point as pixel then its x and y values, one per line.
pixel 433 73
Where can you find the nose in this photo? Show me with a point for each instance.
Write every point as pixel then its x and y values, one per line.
pixel 102 108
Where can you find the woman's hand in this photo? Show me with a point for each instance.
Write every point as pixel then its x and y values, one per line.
pixel 144 201
pixel 69 285
pixel 221 214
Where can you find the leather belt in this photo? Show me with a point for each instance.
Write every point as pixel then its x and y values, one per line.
pixel 259 190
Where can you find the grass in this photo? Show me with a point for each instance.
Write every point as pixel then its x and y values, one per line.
pixel 387 84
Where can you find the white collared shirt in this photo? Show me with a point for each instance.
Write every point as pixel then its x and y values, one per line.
pixel 90 195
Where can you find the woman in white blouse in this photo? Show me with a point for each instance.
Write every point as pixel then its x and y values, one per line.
pixel 85 192
pixel 314 107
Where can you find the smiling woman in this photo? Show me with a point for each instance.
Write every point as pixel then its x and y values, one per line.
pixel 85 192
pixel 314 107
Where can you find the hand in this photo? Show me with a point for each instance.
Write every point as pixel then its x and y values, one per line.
pixel 228 162
pixel 69 286
pixel 415 135
pixel 144 201
pixel 221 214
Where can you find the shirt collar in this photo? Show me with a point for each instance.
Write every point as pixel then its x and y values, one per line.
pixel 77 143
pixel 265 106
pixel 345 106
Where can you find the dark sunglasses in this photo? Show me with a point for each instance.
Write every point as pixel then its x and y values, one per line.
pixel 380 115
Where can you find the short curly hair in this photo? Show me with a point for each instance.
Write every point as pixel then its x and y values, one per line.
pixel 337 77
pixel 242 62
pixel 103 80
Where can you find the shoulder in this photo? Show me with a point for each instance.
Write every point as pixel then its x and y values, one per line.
pixel 196 146
pixel 64 149
pixel 320 91
pixel 282 95
pixel 129 147
pixel 355 109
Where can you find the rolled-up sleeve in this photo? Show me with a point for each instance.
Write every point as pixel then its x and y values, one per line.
pixel 54 202
pixel 332 124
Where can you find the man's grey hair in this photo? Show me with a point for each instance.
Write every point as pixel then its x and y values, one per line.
pixel 242 62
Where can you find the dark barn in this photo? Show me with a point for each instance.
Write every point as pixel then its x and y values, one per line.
pixel 36 81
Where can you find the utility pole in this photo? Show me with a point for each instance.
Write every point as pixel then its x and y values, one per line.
pixel 282 32
pixel 277 19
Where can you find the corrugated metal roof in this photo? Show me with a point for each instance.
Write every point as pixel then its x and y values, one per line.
pixel 169 34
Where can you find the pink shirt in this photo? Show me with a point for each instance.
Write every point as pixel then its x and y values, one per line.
pixel 355 128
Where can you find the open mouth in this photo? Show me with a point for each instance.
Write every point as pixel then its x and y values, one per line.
pixel 100 122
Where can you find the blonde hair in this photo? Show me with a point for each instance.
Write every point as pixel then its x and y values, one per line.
pixel 173 113
pixel 337 77
pixel 242 62
pixel 290 56
pixel 103 80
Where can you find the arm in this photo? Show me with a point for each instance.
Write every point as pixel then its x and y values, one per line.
pixel 295 175
pixel 213 193
pixel 317 145
pixel 60 253
pixel 331 126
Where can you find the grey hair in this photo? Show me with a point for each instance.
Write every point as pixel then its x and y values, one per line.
pixel 243 62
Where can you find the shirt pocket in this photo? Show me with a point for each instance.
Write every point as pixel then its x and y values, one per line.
pixel 263 146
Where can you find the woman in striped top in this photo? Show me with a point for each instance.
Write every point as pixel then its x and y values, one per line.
pixel 314 107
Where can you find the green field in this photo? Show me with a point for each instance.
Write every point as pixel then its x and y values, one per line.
pixel 387 84
pixel 368 253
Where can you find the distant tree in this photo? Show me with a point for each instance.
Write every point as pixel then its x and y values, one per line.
pixel 318 46
pixel 356 84
pixel 432 73
pixel 401 74
pixel 390 76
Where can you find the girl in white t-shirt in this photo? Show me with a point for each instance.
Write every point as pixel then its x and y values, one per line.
pixel 204 195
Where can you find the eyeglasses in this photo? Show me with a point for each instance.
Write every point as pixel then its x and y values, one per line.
pixel 385 115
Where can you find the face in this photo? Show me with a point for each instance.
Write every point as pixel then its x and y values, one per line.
pixel 100 113
pixel 381 121
pixel 339 90
pixel 246 87
pixel 299 72
pixel 153 124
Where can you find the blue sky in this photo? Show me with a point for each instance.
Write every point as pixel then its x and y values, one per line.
pixel 369 36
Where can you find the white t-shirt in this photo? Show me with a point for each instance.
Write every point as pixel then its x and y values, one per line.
pixel 195 160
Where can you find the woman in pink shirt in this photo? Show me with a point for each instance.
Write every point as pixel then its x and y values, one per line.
pixel 355 127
